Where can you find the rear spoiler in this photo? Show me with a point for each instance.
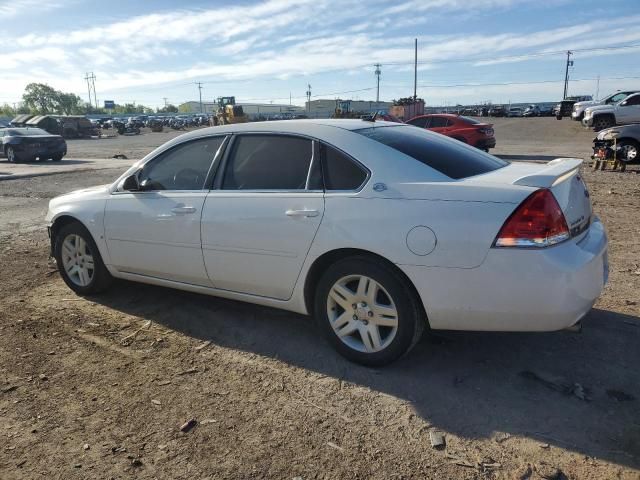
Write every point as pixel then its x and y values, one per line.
pixel 552 173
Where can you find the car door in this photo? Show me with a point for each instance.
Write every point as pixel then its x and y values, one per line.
pixel 259 221
pixel 629 110
pixel 156 231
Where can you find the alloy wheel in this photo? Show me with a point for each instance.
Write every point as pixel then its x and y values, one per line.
pixel 77 260
pixel 362 313
pixel 11 155
pixel 630 152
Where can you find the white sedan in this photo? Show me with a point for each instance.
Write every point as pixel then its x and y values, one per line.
pixel 379 230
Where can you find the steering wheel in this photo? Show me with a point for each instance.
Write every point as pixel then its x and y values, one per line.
pixel 187 179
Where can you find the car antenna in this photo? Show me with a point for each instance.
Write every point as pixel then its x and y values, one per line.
pixel 371 118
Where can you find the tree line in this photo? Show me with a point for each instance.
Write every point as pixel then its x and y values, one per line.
pixel 41 99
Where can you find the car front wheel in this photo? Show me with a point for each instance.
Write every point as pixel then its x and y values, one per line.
pixel 629 150
pixel 11 155
pixel 367 311
pixel 601 122
pixel 79 261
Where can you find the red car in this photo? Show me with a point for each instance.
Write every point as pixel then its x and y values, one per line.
pixel 461 128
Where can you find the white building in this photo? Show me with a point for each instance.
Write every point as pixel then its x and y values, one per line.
pixel 324 108
pixel 253 110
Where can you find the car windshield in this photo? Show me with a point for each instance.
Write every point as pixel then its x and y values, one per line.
pixel 27 132
pixel 450 157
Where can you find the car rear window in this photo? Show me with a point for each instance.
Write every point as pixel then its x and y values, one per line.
pixel 470 120
pixel 452 158
pixel 25 132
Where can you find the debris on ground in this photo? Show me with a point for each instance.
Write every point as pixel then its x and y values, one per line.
pixel 437 440
pixel 557 383
pixel 203 345
pixel 188 425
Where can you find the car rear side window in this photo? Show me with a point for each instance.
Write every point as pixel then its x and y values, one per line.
pixel 268 162
pixel 340 172
pixel 450 157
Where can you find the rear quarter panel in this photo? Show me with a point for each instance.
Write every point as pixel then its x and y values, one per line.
pixel 464 230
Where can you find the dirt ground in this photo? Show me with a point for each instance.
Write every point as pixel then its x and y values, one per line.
pixel 99 387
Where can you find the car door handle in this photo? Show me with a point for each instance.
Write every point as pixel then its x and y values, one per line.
pixel 302 213
pixel 183 210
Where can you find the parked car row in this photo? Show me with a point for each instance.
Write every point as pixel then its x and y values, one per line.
pixel 622 112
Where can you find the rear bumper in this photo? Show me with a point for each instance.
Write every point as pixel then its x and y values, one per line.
pixel 516 289
pixel 483 143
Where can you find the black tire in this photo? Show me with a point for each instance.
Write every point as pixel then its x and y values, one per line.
pixel 10 153
pixel 411 320
pixel 101 278
pixel 56 158
pixel 632 148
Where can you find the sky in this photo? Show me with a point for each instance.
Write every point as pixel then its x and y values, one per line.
pixel 476 51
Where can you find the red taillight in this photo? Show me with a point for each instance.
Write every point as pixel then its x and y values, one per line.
pixel 537 222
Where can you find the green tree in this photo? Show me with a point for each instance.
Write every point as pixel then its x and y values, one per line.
pixel 168 109
pixel 40 98
pixel 70 104
pixel 7 110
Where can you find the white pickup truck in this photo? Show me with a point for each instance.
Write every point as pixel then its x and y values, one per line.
pixel 579 107
pixel 604 116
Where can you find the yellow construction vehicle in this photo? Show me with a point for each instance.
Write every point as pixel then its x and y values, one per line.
pixel 343 110
pixel 228 112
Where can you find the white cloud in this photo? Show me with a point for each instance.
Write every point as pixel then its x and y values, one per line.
pixel 278 39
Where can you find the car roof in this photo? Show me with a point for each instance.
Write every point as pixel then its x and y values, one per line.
pixel 299 126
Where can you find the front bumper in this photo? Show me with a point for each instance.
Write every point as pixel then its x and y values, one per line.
pixel 518 290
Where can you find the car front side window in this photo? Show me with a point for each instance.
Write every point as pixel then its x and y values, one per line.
pixel 184 167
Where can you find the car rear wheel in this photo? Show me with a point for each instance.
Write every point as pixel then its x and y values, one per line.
pixel 629 149
pixel 367 311
pixel 79 261
pixel 56 158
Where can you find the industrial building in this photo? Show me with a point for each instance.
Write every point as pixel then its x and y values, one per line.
pixel 324 108
pixel 253 110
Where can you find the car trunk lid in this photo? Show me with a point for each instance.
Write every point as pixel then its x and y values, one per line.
pixel 561 176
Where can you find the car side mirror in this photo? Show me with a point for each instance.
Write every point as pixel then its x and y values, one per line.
pixel 623 104
pixel 131 183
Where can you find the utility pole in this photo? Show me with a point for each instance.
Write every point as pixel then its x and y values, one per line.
pixel 289 98
pixel 309 98
pixel 91 85
pixel 598 88
pixel 200 91
pixel 165 101
pixel 415 72
pixel 377 74
pixel 566 74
